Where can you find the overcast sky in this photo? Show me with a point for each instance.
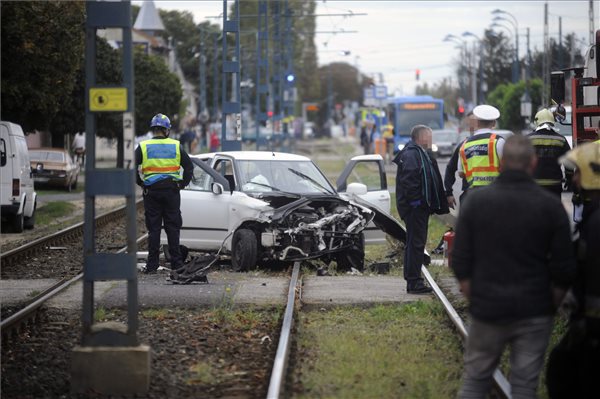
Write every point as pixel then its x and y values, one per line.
pixel 397 37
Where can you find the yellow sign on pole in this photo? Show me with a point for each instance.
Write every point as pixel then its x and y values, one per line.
pixel 108 99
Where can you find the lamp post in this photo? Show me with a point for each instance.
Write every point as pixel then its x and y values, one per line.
pixel 479 97
pixel 501 15
pixel 463 55
pixel 526 106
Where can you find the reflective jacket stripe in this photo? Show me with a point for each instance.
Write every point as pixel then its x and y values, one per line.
pixel 150 169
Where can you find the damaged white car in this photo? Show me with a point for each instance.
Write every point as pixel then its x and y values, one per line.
pixel 265 207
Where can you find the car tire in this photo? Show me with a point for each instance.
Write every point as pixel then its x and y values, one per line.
pixel 17 223
pixel 29 222
pixel 353 257
pixel 243 250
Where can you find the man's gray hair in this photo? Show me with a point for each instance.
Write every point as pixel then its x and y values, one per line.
pixel 416 131
pixel 518 153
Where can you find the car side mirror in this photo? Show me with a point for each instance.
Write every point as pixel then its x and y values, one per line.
pixel 217 188
pixel 356 188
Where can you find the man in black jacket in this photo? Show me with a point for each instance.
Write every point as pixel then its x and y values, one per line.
pixel 514 261
pixel 419 193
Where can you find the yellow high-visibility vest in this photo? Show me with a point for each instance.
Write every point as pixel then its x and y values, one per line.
pixel 479 159
pixel 161 160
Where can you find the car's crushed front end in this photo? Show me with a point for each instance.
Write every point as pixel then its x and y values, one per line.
pixel 312 227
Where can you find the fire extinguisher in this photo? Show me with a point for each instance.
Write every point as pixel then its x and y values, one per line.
pixel 448 243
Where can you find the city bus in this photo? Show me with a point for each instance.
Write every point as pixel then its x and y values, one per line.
pixel 406 112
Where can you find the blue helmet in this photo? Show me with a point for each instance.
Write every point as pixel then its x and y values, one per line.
pixel 160 120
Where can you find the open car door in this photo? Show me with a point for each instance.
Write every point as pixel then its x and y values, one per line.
pixel 370 171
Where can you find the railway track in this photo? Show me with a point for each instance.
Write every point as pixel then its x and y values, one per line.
pixel 29 314
pixel 16 255
pixel 279 372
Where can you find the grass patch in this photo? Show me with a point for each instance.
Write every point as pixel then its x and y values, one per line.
pixel 159 314
pixel 100 314
pixel 52 211
pixel 33 294
pixel 203 373
pixel 383 352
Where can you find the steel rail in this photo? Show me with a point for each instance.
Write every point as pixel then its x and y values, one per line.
pixel 500 381
pixel 283 348
pixel 39 243
pixel 28 311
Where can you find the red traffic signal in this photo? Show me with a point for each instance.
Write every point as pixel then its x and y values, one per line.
pixel 418 74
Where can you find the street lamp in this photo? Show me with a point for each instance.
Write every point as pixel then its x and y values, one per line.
pixel 462 44
pixel 500 15
pixel 526 105
pixel 481 54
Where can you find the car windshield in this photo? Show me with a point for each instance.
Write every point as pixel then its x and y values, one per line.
pixel 46 156
pixel 445 137
pixel 298 177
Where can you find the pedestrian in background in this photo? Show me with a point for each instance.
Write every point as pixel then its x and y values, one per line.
pixel 574 364
pixel 419 193
pixel 480 154
pixel 78 147
pixel 549 147
pixel 452 167
pixel 514 260
pixel 165 169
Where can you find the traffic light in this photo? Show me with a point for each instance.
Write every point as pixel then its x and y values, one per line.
pixel 418 74
pixel 460 111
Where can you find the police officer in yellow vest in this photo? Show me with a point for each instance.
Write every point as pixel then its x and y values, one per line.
pixel 480 154
pixel 161 160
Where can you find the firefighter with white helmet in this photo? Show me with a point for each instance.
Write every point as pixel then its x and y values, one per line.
pixel 574 364
pixel 549 146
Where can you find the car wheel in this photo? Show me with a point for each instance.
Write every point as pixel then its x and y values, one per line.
pixel 29 222
pixel 17 223
pixel 243 250
pixel 353 257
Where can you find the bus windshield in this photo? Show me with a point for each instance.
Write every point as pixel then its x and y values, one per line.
pixel 408 119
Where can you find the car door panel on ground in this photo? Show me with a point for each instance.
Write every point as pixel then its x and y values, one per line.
pixel 370 171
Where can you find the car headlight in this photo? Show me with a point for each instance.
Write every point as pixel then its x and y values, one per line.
pixel 400 147
pixel 434 147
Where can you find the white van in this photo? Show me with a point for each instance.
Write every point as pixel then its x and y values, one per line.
pixel 18 199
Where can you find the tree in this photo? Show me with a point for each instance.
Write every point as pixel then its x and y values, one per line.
pixel 156 91
pixel 507 98
pixel 71 116
pixel 43 46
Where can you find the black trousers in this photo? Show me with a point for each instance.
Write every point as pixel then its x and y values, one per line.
pixel 416 221
pixel 162 205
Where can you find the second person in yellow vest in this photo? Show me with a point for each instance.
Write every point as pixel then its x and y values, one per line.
pixel 479 161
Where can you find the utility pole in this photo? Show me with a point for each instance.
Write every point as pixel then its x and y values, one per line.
pixel 560 45
pixel 231 141
pixel 329 95
pixel 215 77
pixel 591 21
pixel 202 105
pixel 262 68
pixel 545 63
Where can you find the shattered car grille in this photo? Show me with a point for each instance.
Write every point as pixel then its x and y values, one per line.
pixel 313 228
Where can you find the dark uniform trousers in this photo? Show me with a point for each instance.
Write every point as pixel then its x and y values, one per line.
pixel 416 221
pixel 162 204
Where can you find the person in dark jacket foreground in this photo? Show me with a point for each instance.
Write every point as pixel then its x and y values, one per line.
pixel 574 364
pixel 514 261
pixel 419 193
